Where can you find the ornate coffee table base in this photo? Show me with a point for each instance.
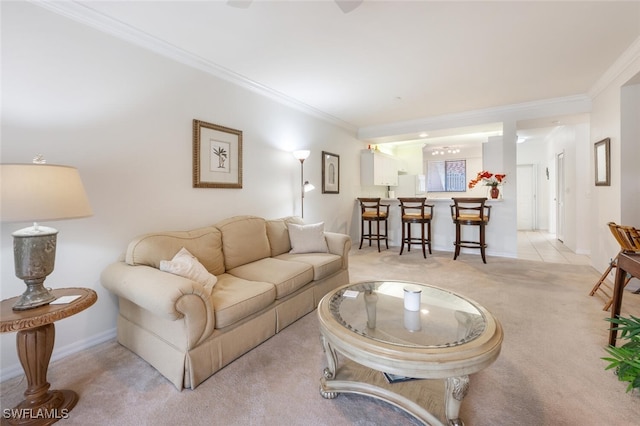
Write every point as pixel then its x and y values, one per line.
pixel 420 398
pixel 455 391
pixel 448 338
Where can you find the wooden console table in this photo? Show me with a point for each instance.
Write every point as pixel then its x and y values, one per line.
pixel 627 263
pixel 35 339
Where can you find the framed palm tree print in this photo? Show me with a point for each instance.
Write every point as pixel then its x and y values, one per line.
pixel 217 156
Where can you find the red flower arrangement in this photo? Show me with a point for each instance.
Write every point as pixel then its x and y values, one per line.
pixel 488 178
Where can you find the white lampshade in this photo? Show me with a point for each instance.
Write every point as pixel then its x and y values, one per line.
pixel 308 186
pixel 301 154
pixel 41 192
pixel 33 193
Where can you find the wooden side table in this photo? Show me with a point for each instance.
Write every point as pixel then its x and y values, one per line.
pixel 627 263
pixel 35 339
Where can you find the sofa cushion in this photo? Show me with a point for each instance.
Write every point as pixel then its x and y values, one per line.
pixel 187 265
pixel 244 240
pixel 307 238
pixel 324 264
pixel 203 243
pixel 234 299
pixel 286 276
pixel 278 234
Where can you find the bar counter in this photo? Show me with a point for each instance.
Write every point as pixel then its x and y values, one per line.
pixel 442 227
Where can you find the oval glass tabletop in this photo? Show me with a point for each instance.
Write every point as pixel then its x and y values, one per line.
pixel 376 310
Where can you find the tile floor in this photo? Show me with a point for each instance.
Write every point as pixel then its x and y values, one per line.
pixel 544 247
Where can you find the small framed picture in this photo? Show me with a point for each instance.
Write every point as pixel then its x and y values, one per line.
pixel 217 156
pixel 602 159
pixel 330 173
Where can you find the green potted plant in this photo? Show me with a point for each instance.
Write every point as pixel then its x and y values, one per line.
pixel 626 358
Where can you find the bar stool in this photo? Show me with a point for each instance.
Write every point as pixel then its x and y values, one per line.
pixel 372 211
pixel 415 210
pixel 471 212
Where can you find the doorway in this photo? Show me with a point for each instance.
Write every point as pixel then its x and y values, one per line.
pixel 560 197
pixel 526 200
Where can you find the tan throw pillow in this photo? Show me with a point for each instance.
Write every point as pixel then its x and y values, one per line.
pixel 307 238
pixel 187 265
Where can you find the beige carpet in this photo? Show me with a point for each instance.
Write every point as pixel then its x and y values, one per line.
pixel 549 371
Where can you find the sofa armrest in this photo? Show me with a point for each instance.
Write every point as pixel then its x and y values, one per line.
pixel 339 244
pixel 166 295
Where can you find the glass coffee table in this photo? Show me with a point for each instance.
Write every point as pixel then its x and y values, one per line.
pixel 391 334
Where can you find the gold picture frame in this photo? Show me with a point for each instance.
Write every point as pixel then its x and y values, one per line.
pixel 330 173
pixel 217 156
pixel 602 160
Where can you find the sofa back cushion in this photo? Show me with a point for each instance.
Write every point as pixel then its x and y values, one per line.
pixel 278 234
pixel 204 243
pixel 244 240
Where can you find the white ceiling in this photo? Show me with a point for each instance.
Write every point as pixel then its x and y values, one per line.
pixel 393 61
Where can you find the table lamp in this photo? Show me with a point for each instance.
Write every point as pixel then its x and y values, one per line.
pixel 38 192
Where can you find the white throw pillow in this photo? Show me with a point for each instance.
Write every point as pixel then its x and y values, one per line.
pixel 307 238
pixel 187 265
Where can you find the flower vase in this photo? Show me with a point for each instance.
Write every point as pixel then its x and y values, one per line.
pixel 494 192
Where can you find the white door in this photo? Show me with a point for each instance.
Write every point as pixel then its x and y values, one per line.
pixel 560 198
pixel 526 193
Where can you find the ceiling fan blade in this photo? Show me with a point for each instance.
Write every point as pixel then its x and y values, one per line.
pixel 345 5
pixel 240 4
pixel 348 5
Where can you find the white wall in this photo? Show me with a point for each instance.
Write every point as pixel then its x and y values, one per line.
pixel 409 159
pixel 583 185
pixel 123 117
pixel 573 141
pixel 607 121
pixel 630 153
pixel 499 156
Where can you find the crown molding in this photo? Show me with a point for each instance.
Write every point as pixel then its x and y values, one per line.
pixel 581 103
pixel 87 16
pixel 621 64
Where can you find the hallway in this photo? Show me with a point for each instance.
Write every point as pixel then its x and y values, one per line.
pixel 543 247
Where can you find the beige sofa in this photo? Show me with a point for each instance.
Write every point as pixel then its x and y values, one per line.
pixel 187 330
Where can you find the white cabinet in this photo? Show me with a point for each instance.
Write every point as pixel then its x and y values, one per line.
pixel 377 168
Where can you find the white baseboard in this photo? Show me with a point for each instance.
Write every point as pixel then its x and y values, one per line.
pixel 464 250
pixel 16 370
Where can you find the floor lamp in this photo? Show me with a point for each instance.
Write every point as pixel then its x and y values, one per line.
pixel 33 193
pixel 305 186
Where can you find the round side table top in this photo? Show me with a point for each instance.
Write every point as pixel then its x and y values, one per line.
pixel 31 318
